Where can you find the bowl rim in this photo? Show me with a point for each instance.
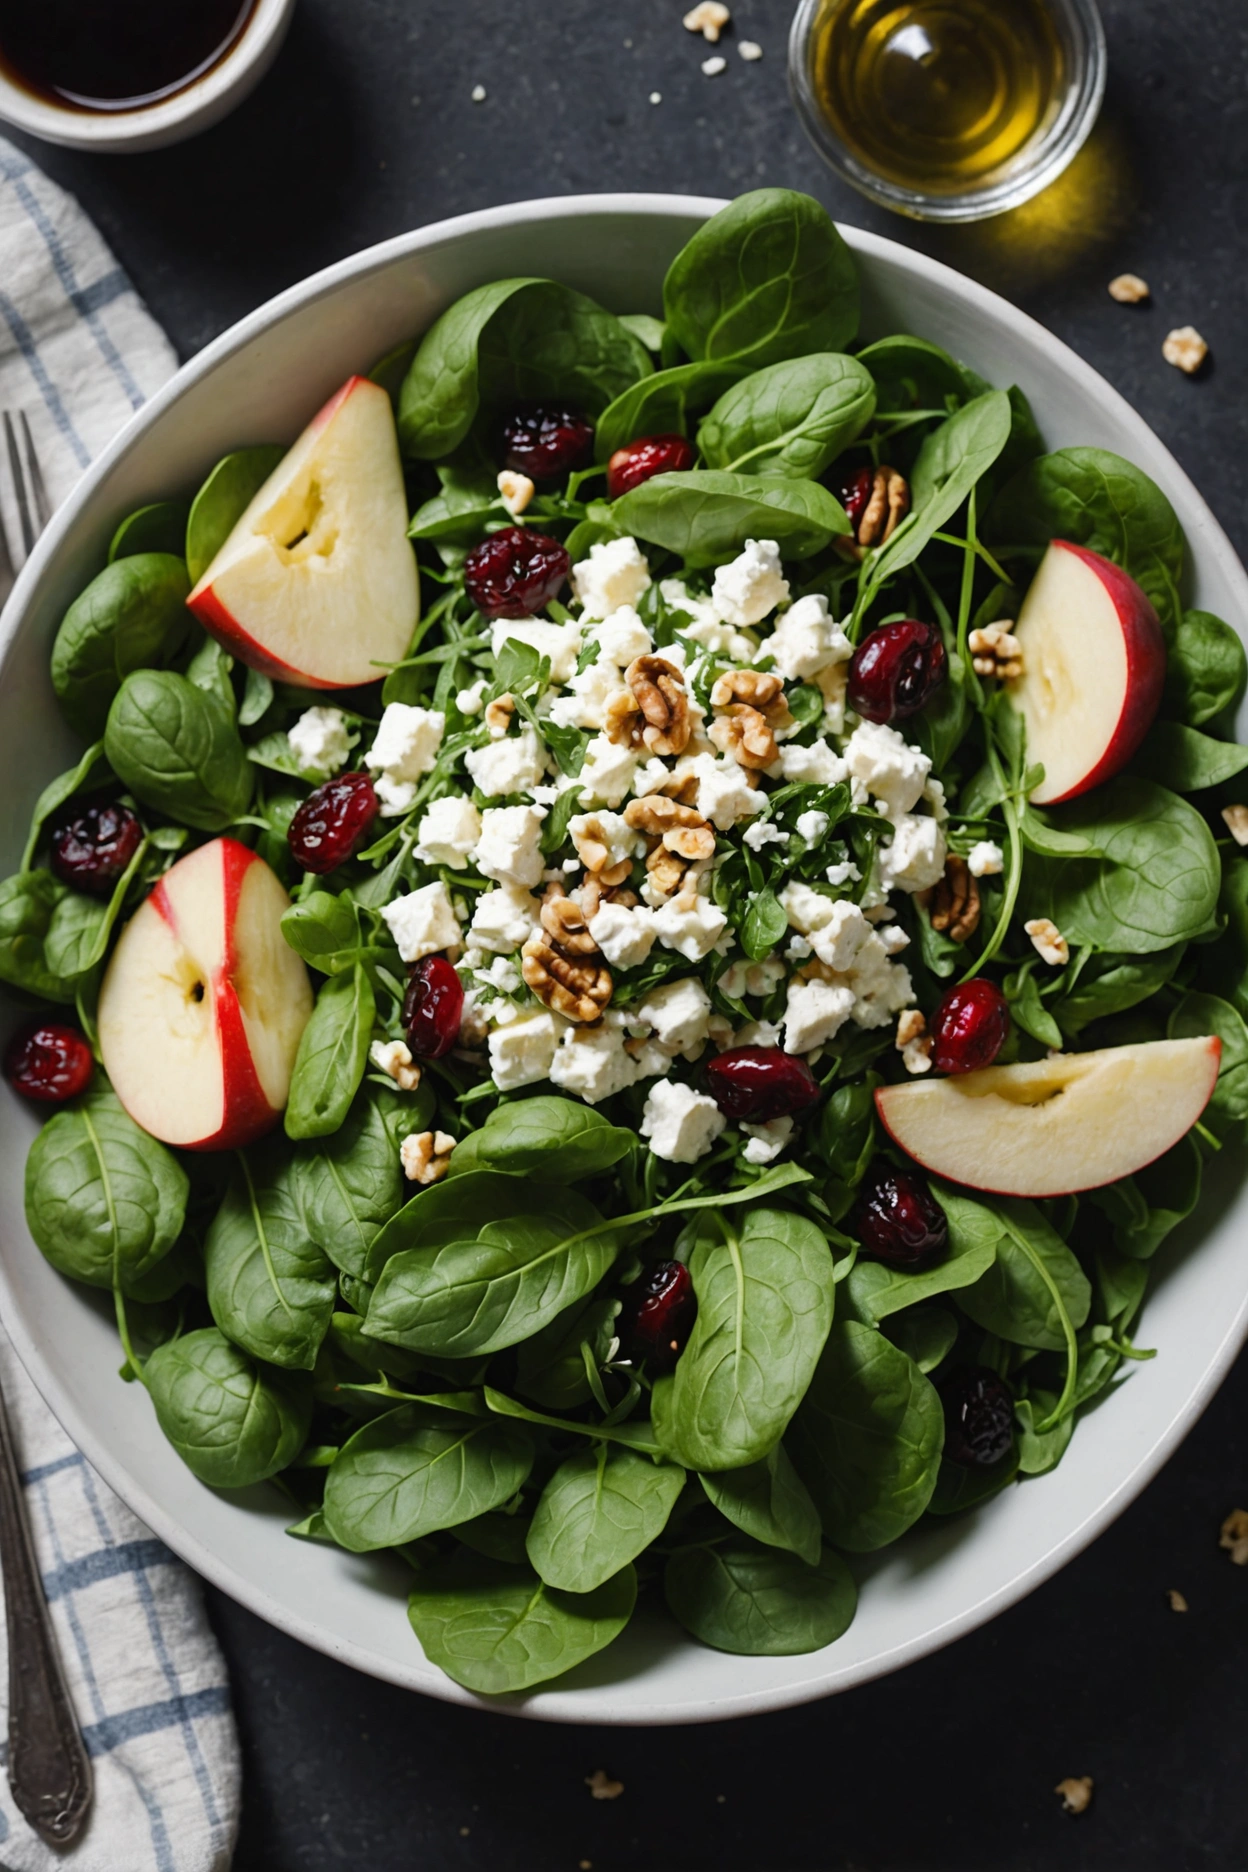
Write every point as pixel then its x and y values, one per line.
pixel 81 1430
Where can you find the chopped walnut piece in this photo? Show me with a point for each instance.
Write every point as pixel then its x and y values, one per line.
pixel 1177 1602
pixel 953 905
pixel 564 922
pixel 426 1156
pixel 1048 941
pixel 1129 289
pixel 910 1026
pixel 394 1057
pixel 680 829
pixel 515 490
pixel 593 895
pixel 708 18
pixel 886 508
pixel 995 652
pixel 1234 1536
pixel 762 691
pixel 563 964
pixel 666 869
pixel 914 1043
pixel 593 850
pixel 1236 818
pixel 658 688
pixel 1076 1793
pixel 745 735
pixel 600 1784
pixel 498 714
pixel 1185 349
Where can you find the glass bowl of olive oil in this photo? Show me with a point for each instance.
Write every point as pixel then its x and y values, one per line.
pixel 947 110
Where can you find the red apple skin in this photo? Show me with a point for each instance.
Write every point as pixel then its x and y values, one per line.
pixel 230 634
pixel 248 1114
pixel 1146 667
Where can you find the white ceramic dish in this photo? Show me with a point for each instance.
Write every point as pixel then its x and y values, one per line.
pixel 170 120
pixel 259 383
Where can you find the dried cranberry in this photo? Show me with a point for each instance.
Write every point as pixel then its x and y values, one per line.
pixel 896 670
pixel 757 1083
pixel 969 1027
pixel 433 1008
pixel 332 822
pixel 91 850
pixel 658 1316
pixel 897 1219
pixel 649 456
pixel 855 492
pixel 547 443
pixel 979 1416
pixel 49 1062
pixel 514 572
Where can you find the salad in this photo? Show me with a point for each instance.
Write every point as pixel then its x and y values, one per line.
pixel 662 1073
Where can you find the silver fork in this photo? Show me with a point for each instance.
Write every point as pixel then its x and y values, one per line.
pixel 49 1769
pixel 30 496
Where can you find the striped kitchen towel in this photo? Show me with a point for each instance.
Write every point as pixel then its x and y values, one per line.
pixel 79 353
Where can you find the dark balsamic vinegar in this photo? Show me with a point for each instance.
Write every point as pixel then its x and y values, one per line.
pixel 113 55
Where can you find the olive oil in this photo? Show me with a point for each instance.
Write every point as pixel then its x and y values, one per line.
pixel 936 95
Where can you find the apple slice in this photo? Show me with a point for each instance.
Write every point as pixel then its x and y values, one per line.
pixel 1094 661
pixel 317 583
pixel 1054 1125
pixel 204 1002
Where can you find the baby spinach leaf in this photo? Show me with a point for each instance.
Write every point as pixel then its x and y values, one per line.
pixel 1111 986
pixel 557 1138
pixel 177 749
pixel 104 1201
pixel 763 925
pixel 497 1535
pixel 877 1290
pixel 706 515
pixel 959 1486
pixel 1198 1014
pixel 231 1421
pixel 1035 1289
pixel 513 341
pixel 550 1366
pixel 769 1501
pixel 270 1286
pixel 131 617
pixel 663 404
pixel 1187 761
pixel 351 1183
pixel 760 1601
pixel 157 528
pixel 222 502
pixel 210 669
pixel 634 1435
pixel 765 1294
pixel 494 1628
pixel 1156 885
pixel 926 1334
pixel 325 930
pixel 76 780
pixel 792 418
pixel 1022 990
pixel 600 1509
pixel 911 373
pixel 416 1470
pixel 949 463
pixel 257 698
pixel 768 277
pixel 1144 1208
pixel 1039 1451
pixel 867 1439
pixel 80 926
pixel 1206 669
pixel 333 1053
pixel 28 902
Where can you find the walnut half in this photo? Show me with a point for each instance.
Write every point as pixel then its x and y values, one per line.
pixel 563 964
pixel 652 710
pixel 953 905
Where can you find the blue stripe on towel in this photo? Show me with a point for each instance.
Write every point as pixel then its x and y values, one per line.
pixel 23 338
pixel 110 1731
pixel 105 1563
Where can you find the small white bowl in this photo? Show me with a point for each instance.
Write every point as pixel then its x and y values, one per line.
pixel 184 114
pixel 259 383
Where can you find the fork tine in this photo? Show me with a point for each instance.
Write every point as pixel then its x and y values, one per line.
pixel 25 519
pixel 43 510
pixel 8 577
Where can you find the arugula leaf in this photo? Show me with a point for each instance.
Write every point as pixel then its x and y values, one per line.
pixel 600 1509
pixel 950 462
pixel 760 1601
pixel 417 1470
pixel 232 1422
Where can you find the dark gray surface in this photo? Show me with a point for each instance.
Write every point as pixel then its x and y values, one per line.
pixel 364 128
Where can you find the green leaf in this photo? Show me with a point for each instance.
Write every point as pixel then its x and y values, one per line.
pixel 550 1366
pixel 1034 1285
pixel 769 1501
pixel 664 404
pixel 1028 1010
pixel 925 1334
pixel 131 617
pixel 792 418
pixel 231 1421
pixel 560 1139
pixel 1206 669
pixel 867 1439
pixel 706 515
pixel 910 373
pixel 494 1628
pixel 600 1509
pixel 1039 1451
pixel 333 1053
pixel 765 924
pixel 1199 1014
pixel 157 528
pixel 57 792
pixel 959 1486
pixel 949 463
pixel 325 930
pixel 271 1287
pixel 878 1291
pixel 1146 1207
pixel 1112 986
pixel 351 1183
pixel 177 749
pixel 104 1201
pixel 257 698
pixel 222 502
pixel 635 1435
pixel 28 902
pixel 416 1470
pixel 1187 761
pixel 765 1294
pixel 759 1601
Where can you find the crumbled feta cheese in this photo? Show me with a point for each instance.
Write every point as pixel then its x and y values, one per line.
pixel 891 770
pixel 394 1058
pixel 807 639
pixel 319 741
pixel 751 586
pixel 471 701
pixel 504 919
pixel 560 642
pixel 678 1012
pixel 591 1061
pixel 407 742
pixel 583 703
pixel 511 765
pixel 649 777
pixel 881 988
pixel 893 938
pixel 678 597
pixel 836 928
pixel 832 684
pixel 765 832
pixel 815 1012
pixel 691 929
pixel 606 828
pixel 448 832
pixel 621 637
pixel 758 1033
pixel 812 825
pixel 752 978
pixel 422 922
pixel 724 792
pixel 766 1140
pixel 798 950
pixel 816 765
pixel 934 794
pixel 915 859
pixel 509 850
pixel 523 1050
pixel 680 1123
pixel 625 936
pixel 606 775
pixel 501 974
pixel 845 871
pixel 986 859
pixel 615 574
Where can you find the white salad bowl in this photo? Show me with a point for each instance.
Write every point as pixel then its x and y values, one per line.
pixel 259 383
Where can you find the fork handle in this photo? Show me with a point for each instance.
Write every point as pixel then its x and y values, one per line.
pixel 49 1771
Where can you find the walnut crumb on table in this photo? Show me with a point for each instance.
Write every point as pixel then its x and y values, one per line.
pixel 712 67
pixel 1129 289
pixel 750 50
pixel 1076 1793
pixel 1185 349
pixel 602 1787
pixel 1234 1536
pixel 1176 1600
pixel 708 18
